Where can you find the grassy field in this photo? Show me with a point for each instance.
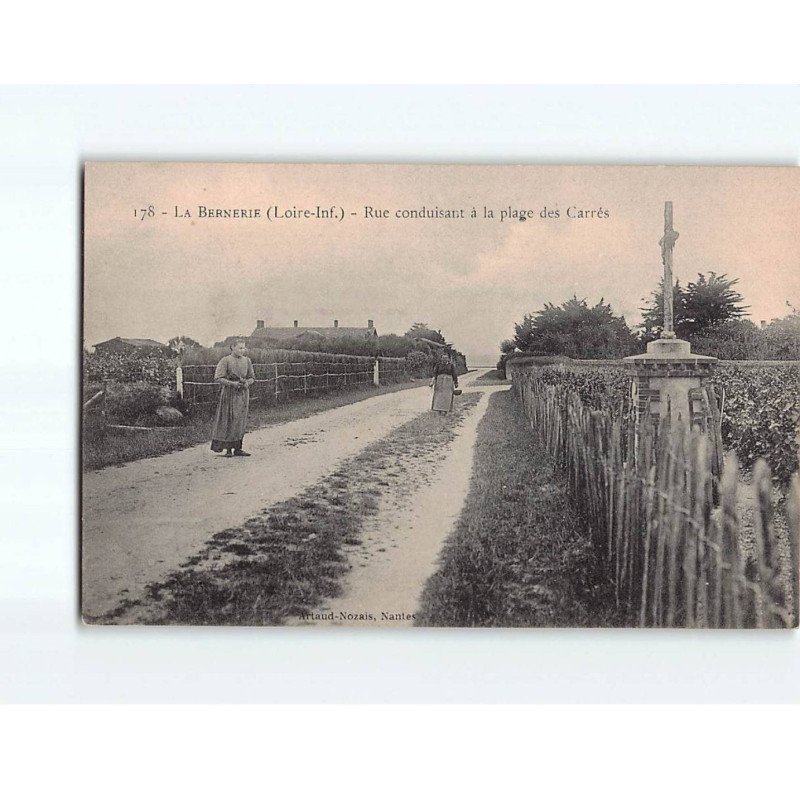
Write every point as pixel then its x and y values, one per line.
pixel 283 562
pixel 516 557
pixel 121 446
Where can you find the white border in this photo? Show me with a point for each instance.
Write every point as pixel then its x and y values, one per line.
pixel 416 42
pixel 45 655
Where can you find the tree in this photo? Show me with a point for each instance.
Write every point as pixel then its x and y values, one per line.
pixel 711 301
pixel 783 336
pixel 703 305
pixel 576 330
pixel 507 346
pixel 421 330
pixel 653 313
pixel 735 339
pixel 180 343
pixel 523 333
pixel 740 339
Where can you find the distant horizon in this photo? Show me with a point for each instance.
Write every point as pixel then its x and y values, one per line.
pixel 591 232
pixel 483 360
pixel 489 362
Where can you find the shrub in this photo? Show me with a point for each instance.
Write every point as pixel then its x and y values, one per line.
pixel 156 366
pixel 94 428
pixel 132 402
pixel 419 364
pixel 761 412
pixel 601 388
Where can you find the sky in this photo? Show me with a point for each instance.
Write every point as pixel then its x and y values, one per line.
pixel 473 277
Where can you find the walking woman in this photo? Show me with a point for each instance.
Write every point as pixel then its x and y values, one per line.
pixel 235 374
pixel 445 380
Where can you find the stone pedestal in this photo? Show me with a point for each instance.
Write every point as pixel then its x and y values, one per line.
pixel 669 379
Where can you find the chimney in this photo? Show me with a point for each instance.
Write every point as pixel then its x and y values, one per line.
pixel 259 323
pixel 336 323
pixel 763 324
pixel 295 323
pixel 370 324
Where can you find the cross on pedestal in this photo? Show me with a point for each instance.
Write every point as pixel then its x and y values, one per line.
pixel 667 244
pixel 669 380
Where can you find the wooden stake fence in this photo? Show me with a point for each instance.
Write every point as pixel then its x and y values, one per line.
pixel 646 499
pixel 287 378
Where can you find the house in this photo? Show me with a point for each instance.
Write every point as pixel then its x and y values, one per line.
pixel 262 336
pixel 120 345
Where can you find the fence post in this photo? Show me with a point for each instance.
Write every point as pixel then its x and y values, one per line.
pixel 276 380
pixel 179 381
pixel 305 381
pixel 376 374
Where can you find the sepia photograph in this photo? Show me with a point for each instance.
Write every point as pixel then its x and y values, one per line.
pixel 399 395
pixel 389 381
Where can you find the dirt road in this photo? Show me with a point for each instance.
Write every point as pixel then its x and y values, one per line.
pixel 143 519
pixel 399 548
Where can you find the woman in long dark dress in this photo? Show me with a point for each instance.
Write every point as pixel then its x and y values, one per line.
pixel 235 374
pixel 445 380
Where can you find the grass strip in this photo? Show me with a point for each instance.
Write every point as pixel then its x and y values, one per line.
pixel 120 447
pixel 286 560
pixel 493 377
pixel 517 556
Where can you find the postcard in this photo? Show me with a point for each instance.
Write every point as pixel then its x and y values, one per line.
pixel 417 395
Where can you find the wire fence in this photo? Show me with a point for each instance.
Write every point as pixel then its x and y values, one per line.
pixel 665 531
pixel 282 380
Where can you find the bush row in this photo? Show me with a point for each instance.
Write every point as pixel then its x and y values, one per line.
pixel 603 388
pixel 155 367
pixel 388 346
pixel 158 366
pixel 419 358
pixel 135 402
pixel 138 383
pixel 761 414
pixel 761 410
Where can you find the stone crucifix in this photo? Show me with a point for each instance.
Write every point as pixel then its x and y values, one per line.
pixel 667 244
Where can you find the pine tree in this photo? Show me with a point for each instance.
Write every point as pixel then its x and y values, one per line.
pixel 577 330
pixel 704 304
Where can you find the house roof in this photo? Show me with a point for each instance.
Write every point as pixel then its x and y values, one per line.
pixel 133 342
pixel 431 341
